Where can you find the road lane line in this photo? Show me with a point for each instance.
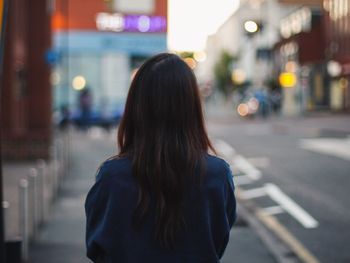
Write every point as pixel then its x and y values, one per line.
pixel 242 180
pixel 273 224
pixel 273 210
pixel 335 147
pixel 290 206
pixel 246 167
pixel 253 193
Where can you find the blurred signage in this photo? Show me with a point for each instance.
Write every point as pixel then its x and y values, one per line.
pixel 297 22
pixel 130 23
pixel 95 42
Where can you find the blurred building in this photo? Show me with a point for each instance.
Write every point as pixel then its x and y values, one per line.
pixel 301 46
pixel 338 52
pixel 315 48
pixel 299 60
pixel 99 43
pixel 26 93
pixel 250 35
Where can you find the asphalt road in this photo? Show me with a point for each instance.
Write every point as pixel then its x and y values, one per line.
pixel 316 180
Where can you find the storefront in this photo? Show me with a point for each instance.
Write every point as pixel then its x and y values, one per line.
pixel 338 46
pixel 301 53
pixel 99 49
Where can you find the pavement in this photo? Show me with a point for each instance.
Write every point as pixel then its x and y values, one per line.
pixel 62 238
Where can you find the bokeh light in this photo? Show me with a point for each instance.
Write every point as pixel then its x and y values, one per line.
pixel 287 79
pixel 78 82
pixel 238 76
pixel 251 26
pixel 243 109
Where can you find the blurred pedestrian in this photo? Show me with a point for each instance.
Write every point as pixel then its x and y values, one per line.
pixel 163 198
pixel 64 117
pixel 264 105
pixel 276 99
pixel 85 105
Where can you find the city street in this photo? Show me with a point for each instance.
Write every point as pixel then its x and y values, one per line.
pixel 274 80
pixel 299 170
pixel 62 238
pixel 315 182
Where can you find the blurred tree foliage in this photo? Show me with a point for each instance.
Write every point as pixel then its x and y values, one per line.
pixel 223 73
pixel 186 54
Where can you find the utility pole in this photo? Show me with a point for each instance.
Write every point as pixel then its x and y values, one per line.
pixel 3 16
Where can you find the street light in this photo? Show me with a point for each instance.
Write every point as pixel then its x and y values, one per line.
pixel 79 82
pixel 251 26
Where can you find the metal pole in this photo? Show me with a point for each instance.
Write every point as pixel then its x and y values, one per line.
pixel 5 4
pixel 6 206
pixel 23 199
pixel 33 175
pixel 55 169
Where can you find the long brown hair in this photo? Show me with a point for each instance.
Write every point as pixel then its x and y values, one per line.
pixel 163 132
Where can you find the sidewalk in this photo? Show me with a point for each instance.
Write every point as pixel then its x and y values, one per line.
pixel 37 173
pixel 62 239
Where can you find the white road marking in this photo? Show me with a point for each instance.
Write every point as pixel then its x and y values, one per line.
pixel 224 148
pixel 253 193
pixel 246 167
pixel 238 162
pixel 242 180
pixel 290 206
pixel 273 210
pixel 336 147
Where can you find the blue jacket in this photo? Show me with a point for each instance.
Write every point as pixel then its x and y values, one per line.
pixel 210 211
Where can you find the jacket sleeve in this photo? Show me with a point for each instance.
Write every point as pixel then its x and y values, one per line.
pixel 230 207
pixel 95 209
pixel 230 200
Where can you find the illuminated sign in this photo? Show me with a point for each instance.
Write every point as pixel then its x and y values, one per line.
pixel 287 79
pixel 130 23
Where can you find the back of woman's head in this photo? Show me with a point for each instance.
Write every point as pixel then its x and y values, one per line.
pixel 163 133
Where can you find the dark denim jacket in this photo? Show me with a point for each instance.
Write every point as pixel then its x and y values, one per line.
pixel 210 211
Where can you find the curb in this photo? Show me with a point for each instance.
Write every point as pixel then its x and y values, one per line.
pixel 282 245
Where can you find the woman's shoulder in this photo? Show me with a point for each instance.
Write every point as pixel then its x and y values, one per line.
pixel 217 167
pixel 216 162
pixel 112 166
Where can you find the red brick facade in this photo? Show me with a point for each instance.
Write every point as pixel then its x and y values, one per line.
pixel 26 92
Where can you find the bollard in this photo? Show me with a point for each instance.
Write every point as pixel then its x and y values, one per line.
pixel 59 147
pixel 66 151
pixel 33 176
pixel 23 201
pixel 41 164
pixel 54 171
pixel 6 206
